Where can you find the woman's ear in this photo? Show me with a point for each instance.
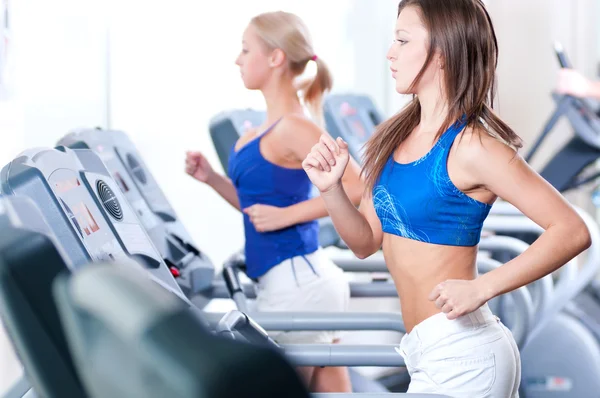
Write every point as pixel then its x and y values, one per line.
pixel 277 58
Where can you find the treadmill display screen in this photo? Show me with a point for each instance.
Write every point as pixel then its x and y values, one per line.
pixel 82 218
pixel 76 202
pixel 81 206
pixel 67 185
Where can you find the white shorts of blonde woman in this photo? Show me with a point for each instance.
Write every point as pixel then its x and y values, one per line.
pixel 306 283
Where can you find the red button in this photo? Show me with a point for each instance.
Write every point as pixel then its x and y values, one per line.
pixel 175 272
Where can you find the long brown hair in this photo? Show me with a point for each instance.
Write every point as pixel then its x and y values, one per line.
pixel 462 31
pixel 288 32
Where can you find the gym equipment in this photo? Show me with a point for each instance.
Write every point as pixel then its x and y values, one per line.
pixel 127 167
pixel 90 217
pixel 30 260
pixel 29 265
pixel 93 225
pixel 192 269
pixel 28 248
pixel 564 170
pixel 164 343
pixel 151 345
pixel 327 357
pixel 88 213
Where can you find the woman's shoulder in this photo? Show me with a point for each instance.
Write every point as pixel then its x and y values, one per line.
pixel 295 122
pixel 477 145
pixel 298 130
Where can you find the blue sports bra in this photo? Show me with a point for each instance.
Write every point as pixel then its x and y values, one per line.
pixel 418 200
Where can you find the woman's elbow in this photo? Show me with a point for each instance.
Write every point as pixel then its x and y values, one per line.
pixel 364 252
pixel 581 236
pixel 586 238
pixel 361 255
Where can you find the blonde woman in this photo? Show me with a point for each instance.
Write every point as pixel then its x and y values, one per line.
pixel 270 188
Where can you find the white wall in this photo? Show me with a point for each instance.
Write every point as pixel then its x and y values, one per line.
pixel 372 37
pixel 60 60
pixel 57 81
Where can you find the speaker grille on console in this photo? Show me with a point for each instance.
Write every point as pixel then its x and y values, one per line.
pixel 109 200
pixel 136 168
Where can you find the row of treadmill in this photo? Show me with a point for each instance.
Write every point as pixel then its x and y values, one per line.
pixel 103 291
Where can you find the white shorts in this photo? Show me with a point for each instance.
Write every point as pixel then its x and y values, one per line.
pixel 309 283
pixel 474 356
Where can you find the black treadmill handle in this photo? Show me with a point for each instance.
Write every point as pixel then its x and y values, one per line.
pixel 562 57
pixel 232 280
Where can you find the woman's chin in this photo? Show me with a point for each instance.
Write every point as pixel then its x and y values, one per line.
pixel 404 90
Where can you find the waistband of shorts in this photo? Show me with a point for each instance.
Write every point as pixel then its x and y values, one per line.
pixel 438 326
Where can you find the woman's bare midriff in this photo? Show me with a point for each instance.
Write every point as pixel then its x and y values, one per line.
pixel 417 267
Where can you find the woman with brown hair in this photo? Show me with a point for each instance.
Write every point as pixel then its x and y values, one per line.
pixel 432 173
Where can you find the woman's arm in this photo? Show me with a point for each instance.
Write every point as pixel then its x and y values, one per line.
pixel 496 167
pixel 197 166
pixel 224 187
pixel 506 174
pixel 316 207
pixel 359 228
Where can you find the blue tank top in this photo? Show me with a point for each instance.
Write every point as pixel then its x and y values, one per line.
pixel 418 200
pixel 258 181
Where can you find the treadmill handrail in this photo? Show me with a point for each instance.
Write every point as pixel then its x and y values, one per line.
pixel 317 321
pixel 343 355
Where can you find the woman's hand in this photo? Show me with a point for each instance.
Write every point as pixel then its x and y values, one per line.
pixel 198 167
pixel 326 163
pixel 456 298
pixel 266 218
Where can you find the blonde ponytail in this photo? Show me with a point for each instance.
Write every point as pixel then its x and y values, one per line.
pixel 288 32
